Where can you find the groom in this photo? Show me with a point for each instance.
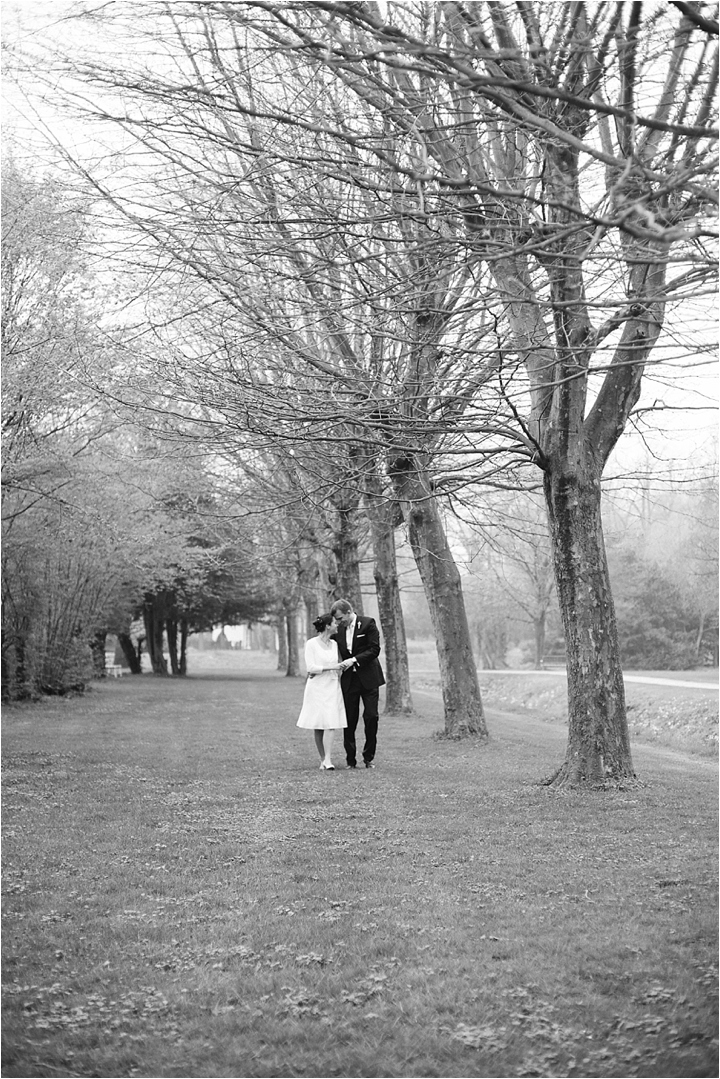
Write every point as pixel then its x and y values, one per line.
pixel 358 638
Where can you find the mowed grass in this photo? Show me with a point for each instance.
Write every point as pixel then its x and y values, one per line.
pixel 186 894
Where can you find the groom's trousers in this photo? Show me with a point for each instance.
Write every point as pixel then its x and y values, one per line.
pixel 354 692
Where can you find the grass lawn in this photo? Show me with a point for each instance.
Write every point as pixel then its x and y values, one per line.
pixel 187 894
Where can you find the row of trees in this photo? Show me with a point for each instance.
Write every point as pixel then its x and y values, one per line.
pixel 100 526
pixel 403 254
pixel 108 523
pixel 662 548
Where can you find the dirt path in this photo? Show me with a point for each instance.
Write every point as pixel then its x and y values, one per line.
pixel 709 686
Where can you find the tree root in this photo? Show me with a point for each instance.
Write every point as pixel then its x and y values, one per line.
pixel 464 734
pixel 572 779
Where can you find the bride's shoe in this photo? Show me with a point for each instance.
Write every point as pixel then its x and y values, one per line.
pixel 327 767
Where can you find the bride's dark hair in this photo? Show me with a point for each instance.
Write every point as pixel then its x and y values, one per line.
pixel 322 621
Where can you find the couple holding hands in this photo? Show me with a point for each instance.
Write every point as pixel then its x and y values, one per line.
pixel 343 670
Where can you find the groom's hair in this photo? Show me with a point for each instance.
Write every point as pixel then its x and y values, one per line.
pixel 341 605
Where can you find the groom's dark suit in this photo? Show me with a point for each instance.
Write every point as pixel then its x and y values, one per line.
pixel 361 683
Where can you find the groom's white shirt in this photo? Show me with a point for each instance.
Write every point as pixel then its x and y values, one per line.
pixel 349 632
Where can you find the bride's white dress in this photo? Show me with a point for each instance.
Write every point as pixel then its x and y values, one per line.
pixel 323 706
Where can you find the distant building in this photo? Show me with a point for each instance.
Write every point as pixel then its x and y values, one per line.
pixel 235 636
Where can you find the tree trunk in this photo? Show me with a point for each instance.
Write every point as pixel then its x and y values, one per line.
pixel 443 590
pixel 539 628
pixel 7 671
pixel 16 682
pixel 23 680
pixel 492 646
pixel 699 637
pixel 311 612
pixel 128 649
pixel 153 617
pixel 171 632
pixel 293 663
pixel 381 513
pixel 97 648
pixel 184 634
pixel 598 748
pixel 281 630
pixel 345 549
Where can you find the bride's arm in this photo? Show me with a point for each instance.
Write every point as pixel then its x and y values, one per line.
pixel 315 661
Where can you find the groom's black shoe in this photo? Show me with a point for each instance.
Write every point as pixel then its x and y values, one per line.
pixel 351 765
pixel 369 764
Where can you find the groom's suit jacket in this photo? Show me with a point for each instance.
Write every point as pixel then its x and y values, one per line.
pixel 366 649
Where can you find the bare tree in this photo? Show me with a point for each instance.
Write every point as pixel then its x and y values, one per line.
pixel 576 140
pixel 367 319
pixel 512 533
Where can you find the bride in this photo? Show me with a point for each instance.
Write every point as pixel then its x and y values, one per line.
pixel 323 710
